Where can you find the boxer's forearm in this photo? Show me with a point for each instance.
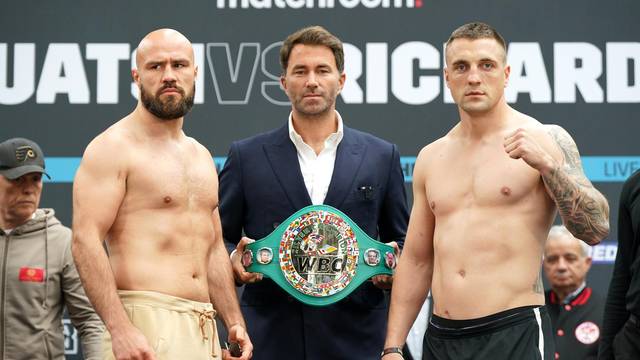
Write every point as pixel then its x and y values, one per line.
pixel 583 209
pixel 99 283
pixel 407 298
pixel 222 289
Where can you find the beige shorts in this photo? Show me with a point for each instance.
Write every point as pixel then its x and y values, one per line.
pixel 176 328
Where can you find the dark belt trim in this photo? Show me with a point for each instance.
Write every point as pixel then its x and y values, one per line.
pixel 447 328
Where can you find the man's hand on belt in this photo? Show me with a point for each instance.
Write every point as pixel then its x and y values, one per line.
pixel 240 274
pixel 384 282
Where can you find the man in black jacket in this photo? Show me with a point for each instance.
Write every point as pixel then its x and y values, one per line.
pixel 575 309
pixel 621 324
pixel 313 158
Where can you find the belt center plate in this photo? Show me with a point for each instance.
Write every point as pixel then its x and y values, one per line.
pixel 318 253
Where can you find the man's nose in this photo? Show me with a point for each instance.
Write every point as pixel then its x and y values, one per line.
pixel 28 187
pixel 312 80
pixel 474 76
pixel 562 265
pixel 169 74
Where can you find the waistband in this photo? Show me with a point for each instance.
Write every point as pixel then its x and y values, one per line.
pixel 164 301
pixel 442 327
pixel 204 312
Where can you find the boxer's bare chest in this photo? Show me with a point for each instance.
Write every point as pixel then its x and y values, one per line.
pixel 172 177
pixel 479 175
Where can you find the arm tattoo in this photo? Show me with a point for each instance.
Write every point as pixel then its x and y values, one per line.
pixel 583 209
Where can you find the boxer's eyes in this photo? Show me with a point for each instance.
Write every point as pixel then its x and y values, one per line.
pixel 487 66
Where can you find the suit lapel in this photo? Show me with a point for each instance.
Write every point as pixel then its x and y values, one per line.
pixel 348 160
pixel 283 159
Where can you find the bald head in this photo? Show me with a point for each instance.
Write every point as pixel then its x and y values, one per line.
pixel 163 40
pixel 165 73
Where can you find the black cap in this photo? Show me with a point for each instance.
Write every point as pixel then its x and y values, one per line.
pixel 19 156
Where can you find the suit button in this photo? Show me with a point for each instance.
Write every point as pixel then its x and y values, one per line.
pixel 290 299
pixel 567 307
pixel 560 332
pixel 276 224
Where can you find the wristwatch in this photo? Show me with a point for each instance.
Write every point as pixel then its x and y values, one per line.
pixel 392 350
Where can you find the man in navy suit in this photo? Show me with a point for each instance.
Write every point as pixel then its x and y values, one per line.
pixel 313 159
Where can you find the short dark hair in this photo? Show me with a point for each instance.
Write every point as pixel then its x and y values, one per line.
pixel 477 30
pixel 312 35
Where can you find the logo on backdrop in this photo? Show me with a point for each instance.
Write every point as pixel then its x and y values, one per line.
pixel 377 73
pixel 70 338
pixel 604 253
pixel 319 4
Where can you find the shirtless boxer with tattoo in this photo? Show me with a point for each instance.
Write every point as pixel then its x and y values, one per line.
pixel 485 196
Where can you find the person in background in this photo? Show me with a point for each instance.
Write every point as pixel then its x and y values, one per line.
pixel 575 309
pixel 38 274
pixel 621 322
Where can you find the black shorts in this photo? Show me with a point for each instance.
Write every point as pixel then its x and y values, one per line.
pixel 517 334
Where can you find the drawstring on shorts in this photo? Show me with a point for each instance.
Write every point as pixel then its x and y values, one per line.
pixel 203 316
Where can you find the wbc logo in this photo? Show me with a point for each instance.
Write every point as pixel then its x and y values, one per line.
pixel 319 254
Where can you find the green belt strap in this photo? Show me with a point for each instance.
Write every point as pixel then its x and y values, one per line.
pixel 319 256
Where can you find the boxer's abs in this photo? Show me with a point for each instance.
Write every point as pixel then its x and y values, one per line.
pixel 163 252
pixel 484 266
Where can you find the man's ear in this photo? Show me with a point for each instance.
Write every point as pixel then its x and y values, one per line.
pixel 445 72
pixel 283 83
pixel 341 81
pixel 135 75
pixel 507 72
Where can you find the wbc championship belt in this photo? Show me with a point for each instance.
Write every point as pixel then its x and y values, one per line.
pixel 319 256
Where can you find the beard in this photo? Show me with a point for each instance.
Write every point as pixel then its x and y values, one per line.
pixel 315 110
pixel 171 108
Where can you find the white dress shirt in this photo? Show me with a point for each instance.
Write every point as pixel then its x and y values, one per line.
pixel 317 169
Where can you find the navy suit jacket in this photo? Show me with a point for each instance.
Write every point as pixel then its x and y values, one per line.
pixel 260 186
